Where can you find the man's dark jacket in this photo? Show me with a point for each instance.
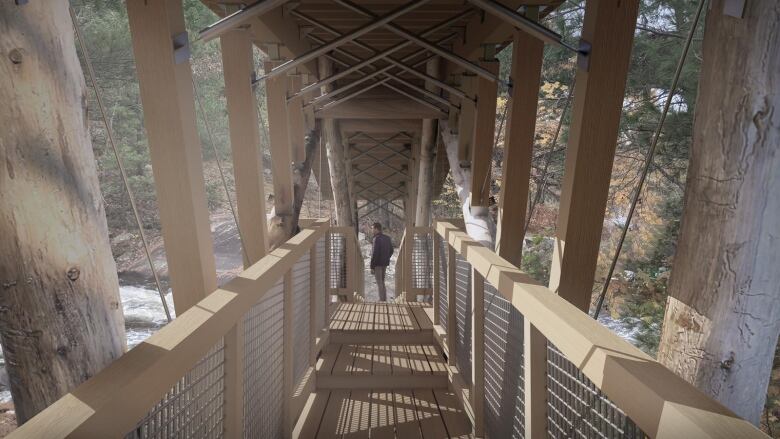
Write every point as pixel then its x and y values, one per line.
pixel 383 249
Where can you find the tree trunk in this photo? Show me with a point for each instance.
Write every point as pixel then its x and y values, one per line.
pixel 60 315
pixel 479 226
pixel 721 323
pixel 302 173
pixel 337 161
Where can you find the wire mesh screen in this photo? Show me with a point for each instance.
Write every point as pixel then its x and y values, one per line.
pixel 300 288
pixel 338 260
pixel 463 315
pixel 422 261
pixel 442 273
pixel 322 292
pixel 263 365
pixel 193 408
pixel 504 379
pixel 576 408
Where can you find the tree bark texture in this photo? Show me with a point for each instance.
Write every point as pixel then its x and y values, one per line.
pixel 721 323
pixel 425 177
pixel 479 226
pixel 302 172
pixel 60 316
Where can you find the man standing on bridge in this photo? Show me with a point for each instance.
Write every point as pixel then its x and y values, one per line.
pixel 380 259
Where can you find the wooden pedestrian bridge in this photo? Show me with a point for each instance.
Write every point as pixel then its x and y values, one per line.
pixel 494 353
pixel 472 347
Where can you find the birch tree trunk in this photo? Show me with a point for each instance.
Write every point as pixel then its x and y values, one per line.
pixel 60 316
pixel 721 323
pixel 425 178
pixel 479 226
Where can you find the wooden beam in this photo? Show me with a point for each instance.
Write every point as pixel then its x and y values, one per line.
pixel 281 157
pixel 295 121
pixel 384 107
pixel 381 125
pixel 237 62
pixel 466 119
pixel 238 65
pixel 527 57
pixel 598 101
pixel 484 133
pixel 169 118
pixel 275 28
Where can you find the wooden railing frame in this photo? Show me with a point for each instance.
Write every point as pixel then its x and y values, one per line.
pixel 111 403
pixel 662 404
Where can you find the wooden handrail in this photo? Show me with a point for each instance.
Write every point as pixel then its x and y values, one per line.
pixel 662 404
pixel 112 402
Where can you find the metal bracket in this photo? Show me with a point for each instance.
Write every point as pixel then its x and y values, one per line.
pixel 21 2
pixel 465 164
pixel 734 8
pixel 181 48
pixel 289 6
pixel 583 55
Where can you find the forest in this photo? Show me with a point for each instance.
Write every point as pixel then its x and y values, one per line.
pixel 637 295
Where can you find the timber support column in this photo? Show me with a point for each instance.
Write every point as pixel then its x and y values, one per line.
pixel 165 82
pixel 238 65
pixel 61 319
pixel 598 102
pixel 484 136
pixel 281 155
pixel 527 57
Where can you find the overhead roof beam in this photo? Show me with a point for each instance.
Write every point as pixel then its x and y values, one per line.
pixel 525 24
pixel 354 94
pixel 325 81
pixel 238 18
pixel 435 81
pixel 417 99
pixel 421 41
pixel 314 53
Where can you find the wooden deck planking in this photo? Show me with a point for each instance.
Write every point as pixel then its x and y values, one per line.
pixel 383 414
pixel 380 317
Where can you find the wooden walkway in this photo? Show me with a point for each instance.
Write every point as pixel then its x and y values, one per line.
pixel 382 376
pixel 381 323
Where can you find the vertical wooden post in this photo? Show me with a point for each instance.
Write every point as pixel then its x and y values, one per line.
pixel 527 57
pixel 598 101
pixel 436 280
pixel 288 356
pixel 350 258
pixel 314 331
pixel 276 97
pixel 238 65
pixel 295 121
pixel 169 118
pixel 484 134
pixel 535 378
pixel 452 318
pixel 478 351
pixel 467 119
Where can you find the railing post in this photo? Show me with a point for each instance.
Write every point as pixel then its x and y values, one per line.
pixel 452 318
pixel 287 347
pixel 313 329
pixel 435 274
pixel 349 259
pixel 535 375
pixel 478 351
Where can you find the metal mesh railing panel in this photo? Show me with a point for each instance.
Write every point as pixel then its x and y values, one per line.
pixel 338 260
pixel 301 306
pixel 193 408
pixel 576 408
pixel 322 291
pixel 504 379
pixel 264 365
pixel 463 315
pixel 442 273
pixel 422 261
